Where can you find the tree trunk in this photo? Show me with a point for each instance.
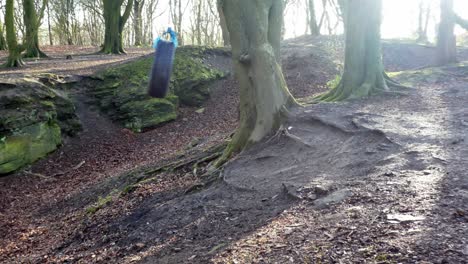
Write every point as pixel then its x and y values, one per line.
pixel 423 21
pixel 255 30
pixel 314 28
pixel 446 43
pixel 14 50
pixel 138 21
pixel 3 44
pixel 114 25
pixel 49 27
pixel 222 23
pixel 363 69
pixel 32 23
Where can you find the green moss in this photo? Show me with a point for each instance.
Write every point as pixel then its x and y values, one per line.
pixel 121 91
pixel 426 76
pixel 192 79
pixel 99 204
pixel 28 145
pixel 33 117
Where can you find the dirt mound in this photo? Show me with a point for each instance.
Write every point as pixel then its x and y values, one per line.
pixel 380 181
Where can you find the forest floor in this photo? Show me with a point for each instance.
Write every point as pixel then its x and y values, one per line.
pixel 380 180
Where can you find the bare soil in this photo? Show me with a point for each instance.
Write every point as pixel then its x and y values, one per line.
pixel 381 180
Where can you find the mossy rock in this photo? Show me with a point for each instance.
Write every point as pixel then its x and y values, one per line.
pixel 33 117
pixel 121 92
pixel 28 145
pixel 26 101
pixel 191 78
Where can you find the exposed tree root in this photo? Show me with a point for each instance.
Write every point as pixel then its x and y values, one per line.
pixel 369 87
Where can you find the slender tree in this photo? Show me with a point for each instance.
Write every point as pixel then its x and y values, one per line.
pixel 424 11
pixel 363 68
pixel 222 23
pixel 114 25
pixel 3 44
pixel 313 26
pixel 138 21
pixel 446 43
pixel 255 30
pixel 14 50
pixel 32 21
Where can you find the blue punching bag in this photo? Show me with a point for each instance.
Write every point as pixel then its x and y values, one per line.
pixel 162 65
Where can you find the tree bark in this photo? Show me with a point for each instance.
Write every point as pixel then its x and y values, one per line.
pixel 255 30
pixel 14 50
pixel 3 44
pixel 138 21
pixel 314 28
pixel 32 22
pixel 114 25
pixel 423 20
pixel 49 27
pixel 363 73
pixel 446 43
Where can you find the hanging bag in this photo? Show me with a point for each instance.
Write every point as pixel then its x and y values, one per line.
pixel 162 65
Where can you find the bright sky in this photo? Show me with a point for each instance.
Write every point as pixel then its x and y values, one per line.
pixel 400 18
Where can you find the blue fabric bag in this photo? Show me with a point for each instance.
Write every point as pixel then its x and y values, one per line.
pixel 162 65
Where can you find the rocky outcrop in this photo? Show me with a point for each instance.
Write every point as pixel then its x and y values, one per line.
pixel 33 118
pixel 121 91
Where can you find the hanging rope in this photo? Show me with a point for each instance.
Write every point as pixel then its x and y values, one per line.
pixel 163 63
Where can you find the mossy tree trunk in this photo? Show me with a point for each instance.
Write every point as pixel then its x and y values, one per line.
pixel 32 21
pixel 255 30
pixel 363 73
pixel 14 50
pixel 114 25
pixel 446 43
pixel 222 23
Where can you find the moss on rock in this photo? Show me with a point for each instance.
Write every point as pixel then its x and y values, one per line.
pixel 121 92
pixel 32 120
pixel 192 79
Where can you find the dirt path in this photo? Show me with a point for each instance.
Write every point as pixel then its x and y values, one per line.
pixel 420 156
pixel 85 60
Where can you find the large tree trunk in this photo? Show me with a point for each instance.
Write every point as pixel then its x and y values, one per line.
pixel 114 25
pixel 14 50
pixel 363 69
pixel 138 21
pixel 32 23
pixel 314 28
pixel 446 43
pixel 255 30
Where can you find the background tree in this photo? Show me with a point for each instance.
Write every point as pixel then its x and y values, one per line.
pixel 177 10
pixel 32 21
pixel 66 27
pixel 138 6
pixel 222 23
pixel 446 42
pixel 312 19
pixel 93 21
pixel 14 50
pixel 424 11
pixel 363 73
pixel 255 30
pixel 3 44
pixel 114 25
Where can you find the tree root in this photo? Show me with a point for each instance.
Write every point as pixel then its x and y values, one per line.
pixel 340 92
